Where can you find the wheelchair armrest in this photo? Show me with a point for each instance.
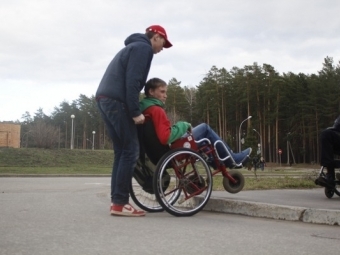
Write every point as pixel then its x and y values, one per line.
pixel 185 142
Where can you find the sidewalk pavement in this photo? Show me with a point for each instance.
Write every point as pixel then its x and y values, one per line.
pixel 307 205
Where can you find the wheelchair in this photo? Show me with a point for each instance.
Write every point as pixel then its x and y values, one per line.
pixel 179 178
pixel 329 191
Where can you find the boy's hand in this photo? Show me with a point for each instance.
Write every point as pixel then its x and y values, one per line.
pixel 190 128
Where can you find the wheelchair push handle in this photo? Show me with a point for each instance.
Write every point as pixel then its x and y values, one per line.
pixel 147 117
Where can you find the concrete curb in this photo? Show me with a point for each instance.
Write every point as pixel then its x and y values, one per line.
pixel 273 211
pixel 321 216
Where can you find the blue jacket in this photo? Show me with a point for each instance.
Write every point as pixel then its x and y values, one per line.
pixel 126 75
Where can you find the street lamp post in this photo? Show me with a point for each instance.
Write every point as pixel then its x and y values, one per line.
pixel 239 134
pixel 93 133
pixel 66 133
pixel 288 148
pixel 72 133
pixel 260 140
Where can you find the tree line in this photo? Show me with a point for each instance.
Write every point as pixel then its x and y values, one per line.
pixel 287 111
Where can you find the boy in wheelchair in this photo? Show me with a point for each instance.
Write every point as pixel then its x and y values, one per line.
pixel 330 146
pixel 153 107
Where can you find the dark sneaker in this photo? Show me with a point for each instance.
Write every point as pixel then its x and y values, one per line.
pixel 125 210
pixel 242 157
pixel 239 158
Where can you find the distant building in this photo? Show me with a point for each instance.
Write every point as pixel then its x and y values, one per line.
pixel 10 135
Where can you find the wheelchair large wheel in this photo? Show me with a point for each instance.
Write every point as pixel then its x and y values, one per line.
pixel 329 192
pixel 234 187
pixel 143 199
pixel 190 175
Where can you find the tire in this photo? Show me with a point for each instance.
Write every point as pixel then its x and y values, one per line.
pixel 143 199
pixel 191 182
pixel 329 192
pixel 234 187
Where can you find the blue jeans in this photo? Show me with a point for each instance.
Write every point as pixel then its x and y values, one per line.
pixel 123 133
pixel 204 131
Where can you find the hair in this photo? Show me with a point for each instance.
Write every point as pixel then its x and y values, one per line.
pixel 153 84
pixel 149 34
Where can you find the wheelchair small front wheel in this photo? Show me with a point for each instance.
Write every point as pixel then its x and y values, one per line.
pixel 329 192
pixel 234 187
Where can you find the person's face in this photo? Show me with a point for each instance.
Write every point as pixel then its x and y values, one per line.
pixel 158 43
pixel 159 93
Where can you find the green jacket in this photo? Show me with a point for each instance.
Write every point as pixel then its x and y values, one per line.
pixel 166 132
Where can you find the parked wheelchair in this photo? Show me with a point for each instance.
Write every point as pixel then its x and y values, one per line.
pixel 179 178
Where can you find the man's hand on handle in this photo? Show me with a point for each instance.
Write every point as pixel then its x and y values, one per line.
pixel 139 119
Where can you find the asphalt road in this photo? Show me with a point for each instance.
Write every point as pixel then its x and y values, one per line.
pixel 71 216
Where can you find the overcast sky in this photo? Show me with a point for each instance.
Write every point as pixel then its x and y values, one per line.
pixel 51 51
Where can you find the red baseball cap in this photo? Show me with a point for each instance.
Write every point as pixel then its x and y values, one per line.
pixel 160 30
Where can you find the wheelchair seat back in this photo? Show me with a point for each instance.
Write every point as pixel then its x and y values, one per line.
pixel 152 147
pixel 151 151
pixel 149 142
